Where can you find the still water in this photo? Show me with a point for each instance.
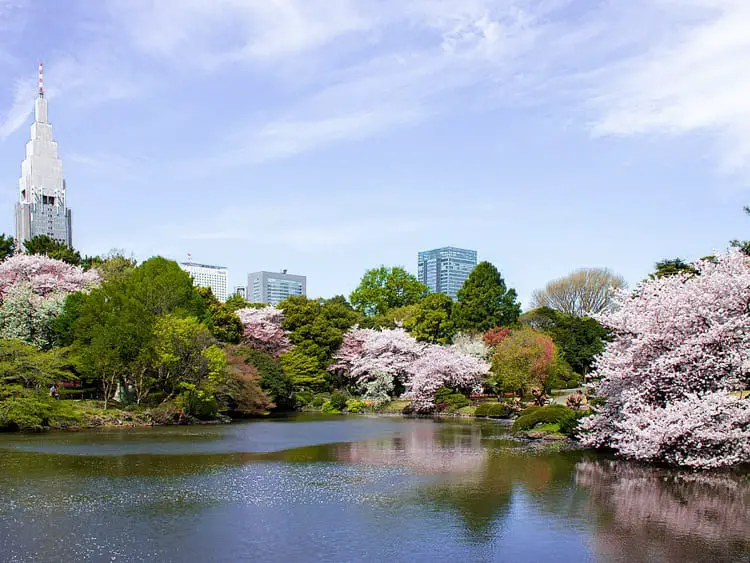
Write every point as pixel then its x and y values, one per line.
pixel 314 488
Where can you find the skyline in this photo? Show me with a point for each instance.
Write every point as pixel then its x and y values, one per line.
pixel 327 138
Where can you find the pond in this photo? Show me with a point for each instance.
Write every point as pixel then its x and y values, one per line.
pixel 315 488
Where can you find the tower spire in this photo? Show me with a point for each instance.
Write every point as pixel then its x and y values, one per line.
pixel 41 80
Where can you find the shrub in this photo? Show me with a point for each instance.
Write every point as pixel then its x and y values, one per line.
pixel 78 393
pixel 482 409
pixel 155 398
pixel 318 400
pixel 338 401
pixel 304 398
pixel 36 412
pixel 196 402
pixel 356 406
pixel 328 408
pixel 442 394
pixel 569 424
pixel 529 418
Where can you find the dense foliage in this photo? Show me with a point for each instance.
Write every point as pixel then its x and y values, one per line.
pixel 679 351
pixel 526 359
pixel 383 289
pixel 580 339
pixel 484 302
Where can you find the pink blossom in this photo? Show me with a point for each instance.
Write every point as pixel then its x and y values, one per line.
pixel 45 275
pixel 263 330
pixel 682 345
pixel 421 368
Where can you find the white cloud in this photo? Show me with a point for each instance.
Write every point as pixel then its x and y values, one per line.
pixel 20 108
pixel 695 79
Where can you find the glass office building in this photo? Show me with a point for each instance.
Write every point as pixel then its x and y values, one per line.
pixel 444 270
pixel 274 287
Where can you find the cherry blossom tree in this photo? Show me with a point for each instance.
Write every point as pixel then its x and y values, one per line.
pixel 263 330
pixel 44 275
pixel 681 347
pixel 437 367
pixel 32 292
pixel 367 354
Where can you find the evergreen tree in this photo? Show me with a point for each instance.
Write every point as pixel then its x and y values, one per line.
pixel 7 246
pixel 484 302
pixel 47 246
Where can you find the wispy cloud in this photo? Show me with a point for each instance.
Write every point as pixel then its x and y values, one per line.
pixel 694 79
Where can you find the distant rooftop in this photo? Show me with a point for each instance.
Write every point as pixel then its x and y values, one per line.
pixel 203 265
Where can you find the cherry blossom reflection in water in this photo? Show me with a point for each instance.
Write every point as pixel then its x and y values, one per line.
pixel 653 514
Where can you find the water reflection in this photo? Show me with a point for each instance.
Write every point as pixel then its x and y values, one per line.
pixel 405 489
pixel 647 514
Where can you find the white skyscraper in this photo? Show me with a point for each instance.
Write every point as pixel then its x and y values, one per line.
pixel 42 209
pixel 204 275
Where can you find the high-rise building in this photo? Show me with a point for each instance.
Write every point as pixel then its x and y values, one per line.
pixel 42 208
pixel 444 270
pixel 204 275
pixel 274 287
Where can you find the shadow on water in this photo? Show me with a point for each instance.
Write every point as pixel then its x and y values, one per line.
pixel 405 489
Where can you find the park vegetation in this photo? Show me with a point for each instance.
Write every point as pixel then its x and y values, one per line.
pixel 656 373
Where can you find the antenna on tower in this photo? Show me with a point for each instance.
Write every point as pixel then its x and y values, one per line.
pixel 190 258
pixel 41 80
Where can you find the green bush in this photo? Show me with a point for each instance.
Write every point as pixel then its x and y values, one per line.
pixel 318 400
pixel 304 398
pixel 78 392
pixel 457 400
pixel 356 406
pixel 494 410
pixel 338 401
pixel 442 394
pixel 482 409
pixel 328 408
pixel 532 416
pixel 198 403
pixel 155 398
pixel 36 412
pixel 569 424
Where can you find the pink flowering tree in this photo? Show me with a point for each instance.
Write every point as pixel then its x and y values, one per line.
pixel 439 366
pixel 32 292
pixel 672 374
pixel 366 355
pixel 262 330
pixel 44 275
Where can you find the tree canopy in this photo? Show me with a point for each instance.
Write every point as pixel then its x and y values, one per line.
pixel 383 289
pixel 7 246
pixel 484 301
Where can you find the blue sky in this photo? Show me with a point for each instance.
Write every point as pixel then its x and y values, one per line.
pixel 330 136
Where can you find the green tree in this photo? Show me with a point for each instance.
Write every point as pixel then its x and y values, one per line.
pixel 525 359
pixel 273 380
pixel 7 246
pixel 47 246
pixel 113 266
pixel 672 267
pixel 185 352
pixel 430 319
pixel 383 289
pixel 484 302
pixel 24 365
pixel 316 328
pixel 223 323
pixel 304 370
pixel 163 288
pixel 580 339
pixel 236 302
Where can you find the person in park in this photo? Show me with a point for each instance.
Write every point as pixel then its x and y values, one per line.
pixel 53 392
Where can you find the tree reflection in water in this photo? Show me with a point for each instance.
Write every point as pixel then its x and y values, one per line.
pixel 650 514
